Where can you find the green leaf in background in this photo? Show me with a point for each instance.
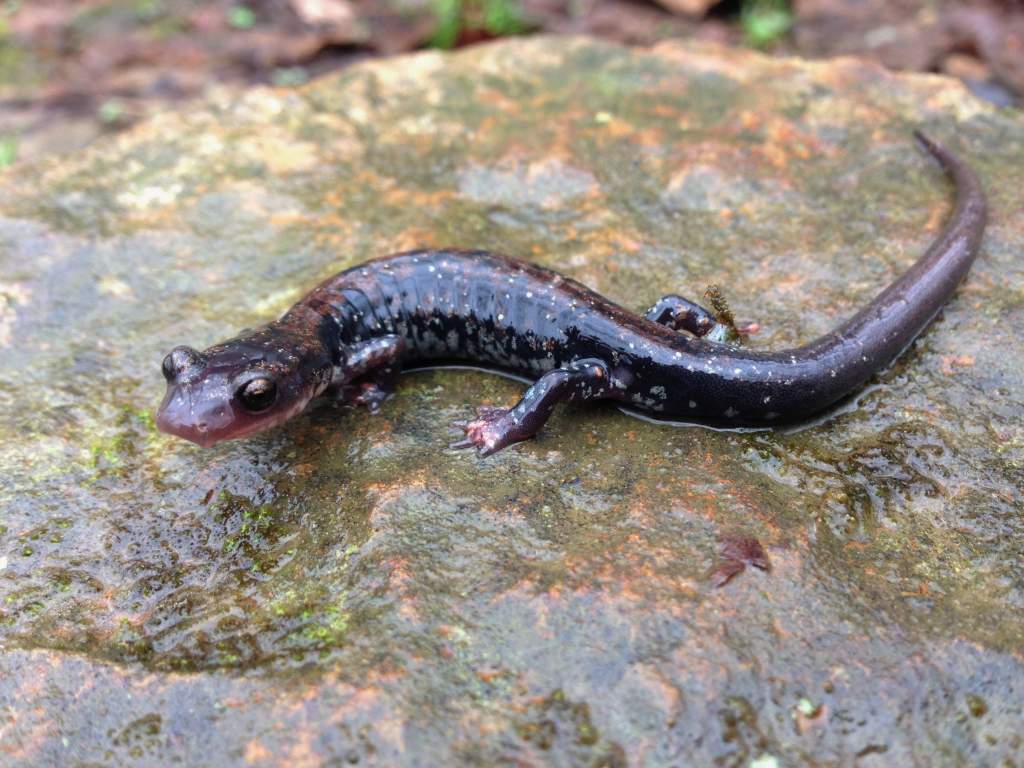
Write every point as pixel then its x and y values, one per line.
pixel 241 17
pixel 111 111
pixel 503 17
pixel 8 150
pixel 449 22
pixel 765 21
pixel 497 18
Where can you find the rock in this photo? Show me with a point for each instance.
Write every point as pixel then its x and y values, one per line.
pixel 997 36
pixel 965 67
pixel 914 35
pixel 345 589
pixel 695 8
pixel 978 79
pixel 901 34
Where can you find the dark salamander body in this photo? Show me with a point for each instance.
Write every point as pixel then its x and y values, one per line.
pixel 356 331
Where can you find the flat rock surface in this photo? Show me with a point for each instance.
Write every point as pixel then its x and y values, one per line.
pixel 344 590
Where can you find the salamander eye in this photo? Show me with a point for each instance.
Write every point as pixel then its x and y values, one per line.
pixel 258 394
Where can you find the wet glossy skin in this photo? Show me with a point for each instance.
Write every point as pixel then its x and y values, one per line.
pixel 357 330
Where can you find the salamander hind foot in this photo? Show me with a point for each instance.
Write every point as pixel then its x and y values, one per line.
pixel 491 430
pixel 681 314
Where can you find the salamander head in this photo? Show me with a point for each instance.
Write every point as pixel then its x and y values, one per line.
pixel 244 385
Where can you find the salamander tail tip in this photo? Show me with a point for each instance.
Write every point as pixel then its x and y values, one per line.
pixel 930 147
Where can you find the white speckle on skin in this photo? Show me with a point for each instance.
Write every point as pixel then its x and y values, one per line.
pixel 730 412
pixel 693 404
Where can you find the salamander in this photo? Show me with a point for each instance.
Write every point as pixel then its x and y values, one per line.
pixel 355 332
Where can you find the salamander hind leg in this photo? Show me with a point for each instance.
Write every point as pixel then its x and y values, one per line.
pixel 496 428
pixel 681 314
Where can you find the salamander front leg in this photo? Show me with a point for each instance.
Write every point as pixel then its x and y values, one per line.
pixel 367 375
pixel 497 428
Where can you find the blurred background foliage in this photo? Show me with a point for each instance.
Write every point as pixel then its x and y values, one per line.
pixel 71 70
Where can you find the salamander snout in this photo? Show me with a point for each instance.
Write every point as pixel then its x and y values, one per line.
pixel 182 364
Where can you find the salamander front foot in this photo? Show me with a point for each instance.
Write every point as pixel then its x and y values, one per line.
pixel 493 429
pixel 371 395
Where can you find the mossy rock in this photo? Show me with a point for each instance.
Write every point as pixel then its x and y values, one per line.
pixel 345 589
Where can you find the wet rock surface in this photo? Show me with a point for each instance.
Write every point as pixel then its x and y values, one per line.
pixel 345 590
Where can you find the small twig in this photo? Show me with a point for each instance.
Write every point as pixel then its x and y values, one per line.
pixel 722 312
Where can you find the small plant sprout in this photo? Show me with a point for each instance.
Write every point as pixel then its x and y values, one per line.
pixel 241 17
pixel 8 151
pixel 496 18
pixel 764 22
